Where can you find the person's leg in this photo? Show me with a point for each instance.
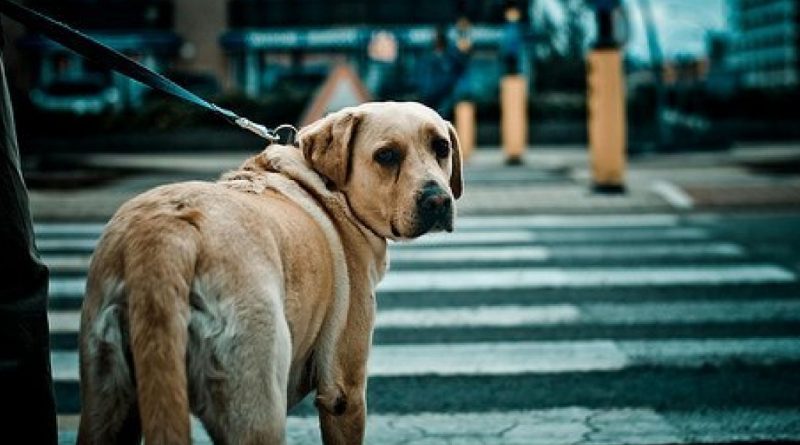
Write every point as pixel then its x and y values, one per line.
pixel 27 407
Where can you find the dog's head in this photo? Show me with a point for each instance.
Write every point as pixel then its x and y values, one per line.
pixel 398 164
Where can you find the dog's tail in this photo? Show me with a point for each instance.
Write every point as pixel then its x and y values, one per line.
pixel 159 270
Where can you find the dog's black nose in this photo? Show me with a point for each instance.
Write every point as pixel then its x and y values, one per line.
pixel 433 199
pixel 435 202
pixel 434 208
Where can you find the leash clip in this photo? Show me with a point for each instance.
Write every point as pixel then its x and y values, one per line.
pixel 258 129
pixel 272 136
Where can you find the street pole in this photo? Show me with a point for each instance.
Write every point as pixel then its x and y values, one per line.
pixel 513 89
pixel 606 103
pixel 465 127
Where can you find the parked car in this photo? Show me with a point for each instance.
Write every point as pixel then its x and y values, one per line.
pixel 85 95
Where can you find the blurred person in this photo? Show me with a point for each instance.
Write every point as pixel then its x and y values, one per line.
pixel 463 87
pixel 27 407
pixel 511 45
pixel 443 72
pixel 382 53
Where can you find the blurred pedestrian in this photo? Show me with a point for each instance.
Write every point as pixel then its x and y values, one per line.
pixel 511 45
pixel 443 72
pixel 27 407
pixel 382 54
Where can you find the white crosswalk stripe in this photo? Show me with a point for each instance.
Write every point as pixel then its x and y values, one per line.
pixel 505 254
pixel 67 321
pixel 542 357
pixel 464 223
pixel 546 277
pixel 595 256
pixel 544 253
pixel 542 277
pixel 509 236
pixel 84 244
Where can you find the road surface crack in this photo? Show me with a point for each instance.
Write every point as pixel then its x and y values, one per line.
pixel 592 428
pixel 504 431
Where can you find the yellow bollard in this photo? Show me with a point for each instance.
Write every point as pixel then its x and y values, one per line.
pixel 514 114
pixel 465 127
pixel 607 132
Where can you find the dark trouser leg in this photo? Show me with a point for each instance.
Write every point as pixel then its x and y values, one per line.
pixel 27 408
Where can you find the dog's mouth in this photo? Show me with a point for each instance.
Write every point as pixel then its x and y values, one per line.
pixel 423 226
pixel 431 226
pixel 439 226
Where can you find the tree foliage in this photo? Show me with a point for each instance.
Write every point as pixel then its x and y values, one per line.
pixel 559 56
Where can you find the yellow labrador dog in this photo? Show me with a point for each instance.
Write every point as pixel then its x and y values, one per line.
pixel 233 300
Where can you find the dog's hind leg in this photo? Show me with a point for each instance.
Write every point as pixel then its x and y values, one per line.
pixel 246 400
pixel 109 410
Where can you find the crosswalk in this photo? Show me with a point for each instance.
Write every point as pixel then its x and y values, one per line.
pixel 544 329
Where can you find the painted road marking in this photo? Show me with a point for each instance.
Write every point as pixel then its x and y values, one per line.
pixel 69 321
pixel 68 229
pixel 542 253
pixel 464 222
pixel 457 359
pixel 54 245
pixel 78 263
pixel 571 356
pixel 541 277
pixel 682 312
pixel 567 221
pixel 67 287
pixel 558 236
pixel 560 277
pixel 594 313
pixel 674 195
pixel 537 357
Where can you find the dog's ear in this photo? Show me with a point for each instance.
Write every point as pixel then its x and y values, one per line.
pixel 456 178
pixel 327 144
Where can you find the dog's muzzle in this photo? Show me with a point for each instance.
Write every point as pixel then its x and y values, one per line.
pixel 434 209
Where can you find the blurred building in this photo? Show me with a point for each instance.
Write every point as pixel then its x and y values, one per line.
pixel 60 80
pixel 249 46
pixel 270 41
pixel 766 42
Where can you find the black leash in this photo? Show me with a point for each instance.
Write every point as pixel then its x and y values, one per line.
pixel 115 60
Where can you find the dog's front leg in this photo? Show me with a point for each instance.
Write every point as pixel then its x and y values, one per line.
pixel 343 404
pixel 344 423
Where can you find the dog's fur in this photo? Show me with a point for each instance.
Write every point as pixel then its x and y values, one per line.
pixel 233 300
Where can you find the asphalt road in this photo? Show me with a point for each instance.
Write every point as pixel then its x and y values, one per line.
pixel 645 329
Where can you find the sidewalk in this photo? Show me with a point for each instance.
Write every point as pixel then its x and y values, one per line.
pixel 552 180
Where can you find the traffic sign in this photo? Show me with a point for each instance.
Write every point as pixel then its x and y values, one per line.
pixel 341 89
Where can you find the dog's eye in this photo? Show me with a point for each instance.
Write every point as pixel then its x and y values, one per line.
pixel 441 147
pixel 388 156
